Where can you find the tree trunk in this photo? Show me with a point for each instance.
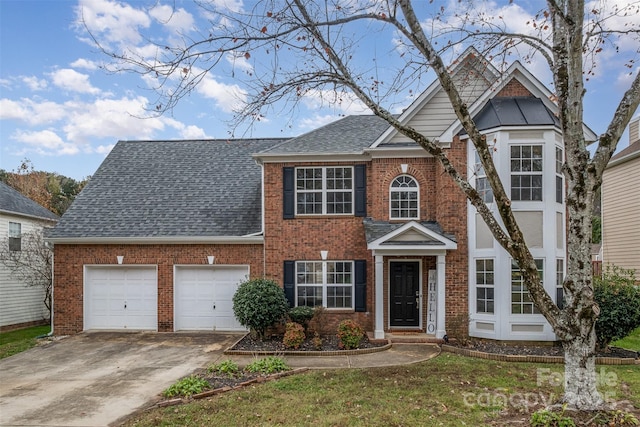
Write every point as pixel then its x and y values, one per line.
pixel 580 376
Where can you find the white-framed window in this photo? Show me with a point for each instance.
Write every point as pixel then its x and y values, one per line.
pixel 485 281
pixel 559 176
pixel 521 302
pixel 324 190
pixel 482 183
pixel 404 198
pixel 324 283
pixel 526 172
pixel 15 236
pixel 559 281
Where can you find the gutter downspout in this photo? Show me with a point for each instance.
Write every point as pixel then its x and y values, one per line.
pixel 262 223
pixel 50 245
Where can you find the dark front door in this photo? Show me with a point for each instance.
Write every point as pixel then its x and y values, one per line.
pixel 404 293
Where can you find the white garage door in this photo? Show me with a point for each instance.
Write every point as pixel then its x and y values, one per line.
pixel 203 297
pixel 121 297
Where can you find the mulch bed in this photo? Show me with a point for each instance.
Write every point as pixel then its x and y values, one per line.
pixel 274 344
pixel 536 350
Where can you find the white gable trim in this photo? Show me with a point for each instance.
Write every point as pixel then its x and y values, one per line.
pixel 382 245
pixel 429 93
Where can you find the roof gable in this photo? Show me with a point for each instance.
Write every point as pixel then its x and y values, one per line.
pixel 13 202
pixel 411 235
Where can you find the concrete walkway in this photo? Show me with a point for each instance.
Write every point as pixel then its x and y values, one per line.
pixel 398 354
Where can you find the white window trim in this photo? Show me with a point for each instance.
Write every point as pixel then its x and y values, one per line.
pixel 324 190
pixel 417 191
pixel 324 283
pixel 540 144
pixel 476 285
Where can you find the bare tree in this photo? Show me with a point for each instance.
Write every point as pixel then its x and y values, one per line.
pixel 31 265
pixel 298 47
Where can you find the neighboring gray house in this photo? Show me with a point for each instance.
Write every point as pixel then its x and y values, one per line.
pixel 20 305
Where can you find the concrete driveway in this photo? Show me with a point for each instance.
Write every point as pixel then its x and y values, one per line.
pixel 94 379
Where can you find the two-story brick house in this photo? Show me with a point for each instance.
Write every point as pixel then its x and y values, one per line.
pixel 352 216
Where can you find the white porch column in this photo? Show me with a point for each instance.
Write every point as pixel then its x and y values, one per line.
pixel 379 276
pixel 441 312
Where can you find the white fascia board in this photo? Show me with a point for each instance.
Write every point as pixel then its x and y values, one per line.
pixel 389 152
pixel 409 251
pixel 20 214
pixel 311 157
pixel 445 242
pixel 624 159
pixel 408 113
pixel 181 240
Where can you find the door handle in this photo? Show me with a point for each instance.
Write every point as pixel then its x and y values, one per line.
pixel 214 305
pixel 125 304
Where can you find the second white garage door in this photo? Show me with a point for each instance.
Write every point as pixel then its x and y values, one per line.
pixel 203 297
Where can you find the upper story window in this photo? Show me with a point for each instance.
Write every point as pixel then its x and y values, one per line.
pixel 482 183
pixel 404 198
pixel 324 191
pixel 559 176
pixel 526 172
pixel 15 236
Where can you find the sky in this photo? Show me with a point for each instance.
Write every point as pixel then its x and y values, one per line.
pixel 61 110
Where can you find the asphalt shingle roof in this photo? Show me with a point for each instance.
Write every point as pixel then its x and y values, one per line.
pixel 14 202
pixel 147 189
pixel 350 134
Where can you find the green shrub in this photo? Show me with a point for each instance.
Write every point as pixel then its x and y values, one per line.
pixel 301 315
pixel 349 334
pixel 619 299
pixel 226 367
pixel 186 387
pixel 546 418
pixel 268 365
pixel 259 304
pixel 294 335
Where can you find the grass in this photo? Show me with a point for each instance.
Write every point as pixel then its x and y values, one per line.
pixel 630 342
pixel 13 342
pixel 449 390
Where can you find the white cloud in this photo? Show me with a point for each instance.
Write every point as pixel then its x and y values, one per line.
pixel 238 61
pixel 45 142
pixel 112 22
pixel 316 121
pixel 31 112
pixel 344 102
pixel 73 81
pixel 176 20
pixel 104 149
pixel 227 97
pixel 34 83
pixel 85 64
pixel 193 132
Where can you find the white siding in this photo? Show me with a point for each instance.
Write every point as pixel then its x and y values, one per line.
pixel 19 303
pixel 621 215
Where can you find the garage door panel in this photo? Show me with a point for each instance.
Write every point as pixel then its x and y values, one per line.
pixel 203 297
pixel 121 298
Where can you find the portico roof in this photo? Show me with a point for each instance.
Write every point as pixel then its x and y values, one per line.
pixel 426 237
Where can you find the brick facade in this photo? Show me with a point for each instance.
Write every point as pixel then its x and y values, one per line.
pixel 70 260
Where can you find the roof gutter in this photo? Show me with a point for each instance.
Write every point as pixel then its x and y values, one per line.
pixel 39 218
pixel 168 240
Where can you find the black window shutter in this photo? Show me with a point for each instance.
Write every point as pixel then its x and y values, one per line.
pixel 288 191
pixel 290 282
pixel 361 285
pixel 361 190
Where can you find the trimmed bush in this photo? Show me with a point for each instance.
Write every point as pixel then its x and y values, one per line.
pixel 619 299
pixel 294 335
pixel 259 304
pixel 301 315
pixel 349 334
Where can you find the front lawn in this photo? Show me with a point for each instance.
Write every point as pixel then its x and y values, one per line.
pixel 448 390
pixel 630 342
pixel 13 342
